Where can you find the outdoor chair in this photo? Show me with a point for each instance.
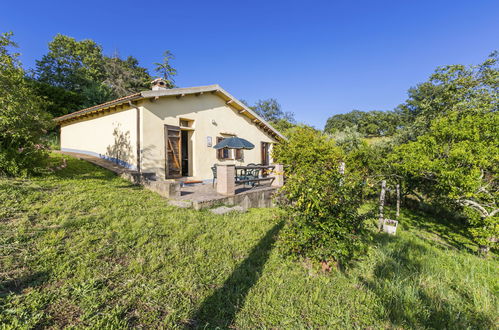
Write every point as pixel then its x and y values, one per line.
pixel 252 174
pixel 241 175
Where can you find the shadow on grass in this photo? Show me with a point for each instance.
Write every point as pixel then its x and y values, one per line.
pixel 76 169
pixel 220 309
pixel 454 234
pixel 17 285
pixel 401 284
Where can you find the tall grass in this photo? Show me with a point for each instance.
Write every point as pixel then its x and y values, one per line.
pixel 81 247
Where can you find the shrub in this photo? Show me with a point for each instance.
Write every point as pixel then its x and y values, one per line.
pixel 321 204
pixel 306 147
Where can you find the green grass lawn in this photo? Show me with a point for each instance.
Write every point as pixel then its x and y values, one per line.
pixel 82 247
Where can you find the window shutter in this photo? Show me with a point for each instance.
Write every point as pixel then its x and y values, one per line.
pixel 239 154
pixel 220 152
pixel 265 150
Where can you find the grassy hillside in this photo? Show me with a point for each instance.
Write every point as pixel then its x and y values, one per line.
pixel 82 247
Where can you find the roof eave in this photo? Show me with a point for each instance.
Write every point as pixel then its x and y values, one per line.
pixel 215 88
pixel 99 107
pixel 252 113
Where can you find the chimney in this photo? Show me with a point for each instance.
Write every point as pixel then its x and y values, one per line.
pixel 158 84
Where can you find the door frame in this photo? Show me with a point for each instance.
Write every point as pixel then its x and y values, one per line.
pixel 167 168
pixel 265 152
pixel 187 150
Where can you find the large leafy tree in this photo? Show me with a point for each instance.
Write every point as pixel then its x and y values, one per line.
pixel 75 74
pixel 449 153
pixel 450 88
pixel 71 64
pixel 456 161
pixel 22 123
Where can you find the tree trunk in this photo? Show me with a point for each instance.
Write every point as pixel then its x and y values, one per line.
pixel 484 249
pixel 381 204
pixel 397 187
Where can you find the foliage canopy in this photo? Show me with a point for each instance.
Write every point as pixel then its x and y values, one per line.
pixel 457 161
pixel 369 124
pixel 76 74
pixel 22 122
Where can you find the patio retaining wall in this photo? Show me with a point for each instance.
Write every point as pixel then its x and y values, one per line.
pixel 248 199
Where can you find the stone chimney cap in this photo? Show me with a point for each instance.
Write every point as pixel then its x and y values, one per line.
pixel 158 84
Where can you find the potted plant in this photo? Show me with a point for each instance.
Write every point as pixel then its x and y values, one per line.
pixel 390 226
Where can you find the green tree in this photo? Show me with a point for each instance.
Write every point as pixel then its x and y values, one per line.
pixel 22 123
pixel 75 74
pixel 166 70
pixel 125 77
pixel 298 152
pixel 450 88
pixel 369 124
pixel 57 101
pixel 349 139
pixel 271 111
pixel 71 64
pixel 456 161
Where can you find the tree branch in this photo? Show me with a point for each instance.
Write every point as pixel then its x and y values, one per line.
pixel 476 206
pixel 493 212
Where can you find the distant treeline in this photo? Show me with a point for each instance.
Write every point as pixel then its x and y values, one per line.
pixel 368 123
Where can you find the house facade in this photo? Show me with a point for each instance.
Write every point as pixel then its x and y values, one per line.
pixel 169 132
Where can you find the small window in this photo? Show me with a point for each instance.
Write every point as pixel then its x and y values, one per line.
pixel 222 153
pixel 229 153
pixel 185 122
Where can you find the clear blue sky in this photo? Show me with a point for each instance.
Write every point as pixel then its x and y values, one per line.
pixel 318 58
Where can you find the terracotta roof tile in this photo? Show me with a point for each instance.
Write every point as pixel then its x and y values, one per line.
pixel 98 106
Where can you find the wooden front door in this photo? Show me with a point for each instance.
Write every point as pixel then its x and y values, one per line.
pixel 173 144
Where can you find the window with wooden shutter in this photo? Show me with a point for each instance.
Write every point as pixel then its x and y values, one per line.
pixel 219 151
pixel 228 153
pixel 239 154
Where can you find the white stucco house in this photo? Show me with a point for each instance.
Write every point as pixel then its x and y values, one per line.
pixel 169 132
